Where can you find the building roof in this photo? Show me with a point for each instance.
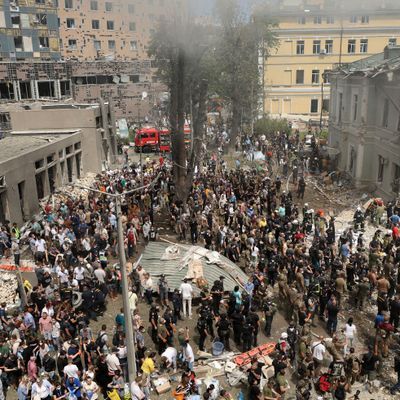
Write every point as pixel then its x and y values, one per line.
pixel 17 145
pixel 374 65
pixel 214 265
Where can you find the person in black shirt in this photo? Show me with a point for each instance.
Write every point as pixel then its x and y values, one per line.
pixel 153 319
pixel 237 319
pixel 255 322
pixel 223 326
pixel 332 311
pixel 202 329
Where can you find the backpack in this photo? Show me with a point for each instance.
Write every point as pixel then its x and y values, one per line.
pixel 100 341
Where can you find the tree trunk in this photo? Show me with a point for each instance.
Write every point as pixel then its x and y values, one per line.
pixel 236 110
pixel 180 175
pixel 197 126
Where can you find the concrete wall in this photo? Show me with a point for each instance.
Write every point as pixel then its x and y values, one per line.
pixel 22 169
pixel 360 133
pixel 98 147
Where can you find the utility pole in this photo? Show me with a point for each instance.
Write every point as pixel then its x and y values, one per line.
pixel 322 102
pixel 130 340
pixel 24 300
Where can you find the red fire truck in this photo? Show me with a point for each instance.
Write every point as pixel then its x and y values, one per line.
pixel 149 140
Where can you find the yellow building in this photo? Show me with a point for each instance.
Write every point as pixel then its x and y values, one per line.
pixel 314 35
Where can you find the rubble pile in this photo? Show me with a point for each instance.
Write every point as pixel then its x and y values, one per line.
pixel 8 289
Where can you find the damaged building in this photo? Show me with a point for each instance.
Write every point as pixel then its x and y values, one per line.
pixel 51 145
pixel 120 83
pixel 29 30
pixel 365 120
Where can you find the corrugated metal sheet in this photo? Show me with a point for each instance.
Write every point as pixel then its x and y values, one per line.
pixel 175 272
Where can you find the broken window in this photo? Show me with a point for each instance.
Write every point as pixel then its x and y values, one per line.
pixel 40 185
pixel 25 89
pixel 355 106
pixel 95 24
pixel 97 45
pixel 21 195
pixel 353 157
pixel 392 42
pixel 340 107
pixel 111 45
pixel 15 20
pixel 39 164
pixel 44 42
pixel 351 46
pixel 110 25
pixel 315 76
pixel 2 182
pixel 133 45
pixel 396 178
pixel 5 121
pixel 134 78
pixel 70 171
pixel 325 105
pixel 364 46
pixel 3 207
pixel 18 43
pixel 78 165
pixel 40 1
pixel 52 173
pixel 326 76
pixel 41 19
pixel 381 168
pixel 385 114
pixel 329 46
pixel 68 4
pixel 70 23
pixel 316 47
pixel 6 90
pixel 65 88
pixel 46 89
pixel 72 45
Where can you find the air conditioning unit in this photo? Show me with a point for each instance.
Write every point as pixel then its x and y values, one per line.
pixel 14 8
pixel 323 52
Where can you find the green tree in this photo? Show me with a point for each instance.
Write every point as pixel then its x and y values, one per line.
pixel 180 51
pixel 240 43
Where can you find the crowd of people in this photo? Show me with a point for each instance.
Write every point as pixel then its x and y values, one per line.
pixel 294 260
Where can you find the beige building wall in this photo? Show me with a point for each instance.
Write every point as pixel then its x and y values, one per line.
pixel 116 29
pixel 313 37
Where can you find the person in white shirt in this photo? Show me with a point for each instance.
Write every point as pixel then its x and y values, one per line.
pixel 168 358
pixel 136 391
pixel 79 273
pixel 318 352
pixel 133 300
pixel 41 388
pixel 100 274
pixel 148 288
pixel 112 361
pixel 186 291
pixel 71 370
pixel 350 332
pixel 188 355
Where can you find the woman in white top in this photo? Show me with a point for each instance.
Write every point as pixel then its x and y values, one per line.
pixel 350 332
pixel 90 388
